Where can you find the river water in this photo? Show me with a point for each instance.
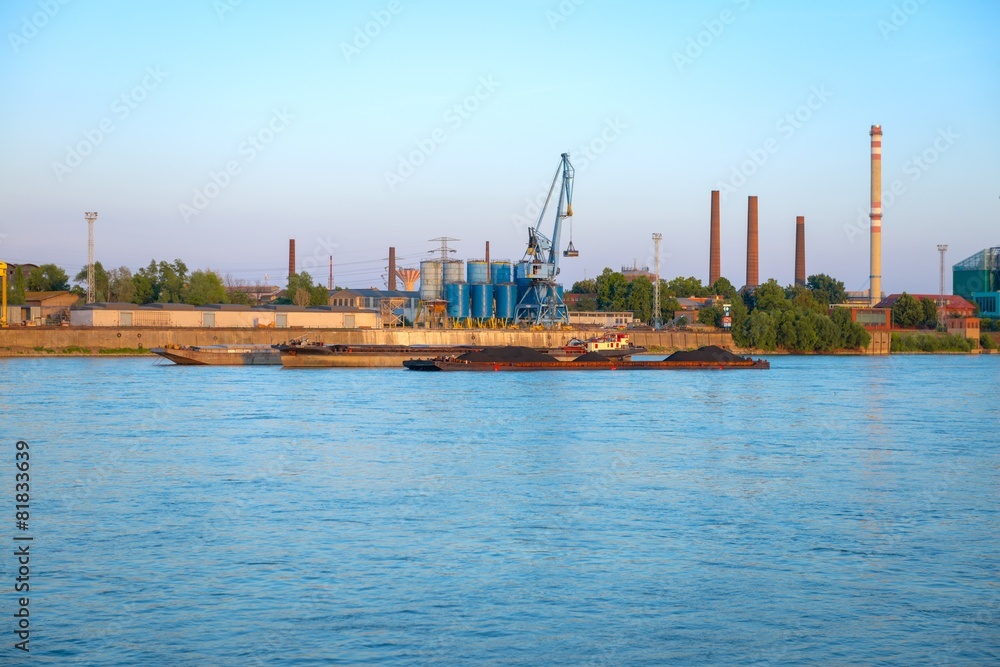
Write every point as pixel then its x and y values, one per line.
pixel 830 511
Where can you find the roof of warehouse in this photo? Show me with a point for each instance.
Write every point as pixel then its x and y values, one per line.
pixel 373 293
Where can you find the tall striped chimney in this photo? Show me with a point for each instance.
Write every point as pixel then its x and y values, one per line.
pixel 291 257
pixel 753 261
pixel 800 250
pixel 714 253
pixel 875 295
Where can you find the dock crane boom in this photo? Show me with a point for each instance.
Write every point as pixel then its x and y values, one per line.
pixel 541 302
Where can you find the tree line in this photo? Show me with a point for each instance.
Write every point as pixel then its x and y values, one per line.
pixel 770 316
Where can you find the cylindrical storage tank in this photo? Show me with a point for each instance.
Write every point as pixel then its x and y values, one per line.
pixel 500 273
pixel 477 271
pixel 506 297
pixel 430 280
pixel 458 300
pixel 520 279
pixel 482 301
pixel 454 271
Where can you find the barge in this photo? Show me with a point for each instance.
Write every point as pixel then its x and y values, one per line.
pixel 220 355
pixel 318 355
pixel 526 359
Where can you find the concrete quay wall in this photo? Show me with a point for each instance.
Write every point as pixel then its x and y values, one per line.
pixel 26 340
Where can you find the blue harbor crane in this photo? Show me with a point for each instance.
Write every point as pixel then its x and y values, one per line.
pixel 541 303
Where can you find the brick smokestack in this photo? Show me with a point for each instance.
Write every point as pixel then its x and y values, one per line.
pixel 488 272
pixel 800 250
pixel 714 253
pixel 291 257
pixel 753 261
pixel 392 268
pixel 875 295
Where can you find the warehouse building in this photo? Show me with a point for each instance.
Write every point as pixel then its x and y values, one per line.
pixel 222 315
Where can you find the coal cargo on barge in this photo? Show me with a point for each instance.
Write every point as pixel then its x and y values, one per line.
pixel 514 358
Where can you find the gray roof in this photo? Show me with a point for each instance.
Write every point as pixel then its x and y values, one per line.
pixel 372 293
pixel 167 306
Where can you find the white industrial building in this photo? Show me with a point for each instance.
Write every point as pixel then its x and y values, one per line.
pixel 223 316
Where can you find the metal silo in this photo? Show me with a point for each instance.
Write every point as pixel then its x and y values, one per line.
pixel 477 272
pixel 521 279
pixel 457 295
pixel 454 271
pixel 430 280
pixel 500 273
pixel 506 298
pixel 482 301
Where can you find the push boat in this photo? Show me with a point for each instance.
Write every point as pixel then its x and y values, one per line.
pixel 616 345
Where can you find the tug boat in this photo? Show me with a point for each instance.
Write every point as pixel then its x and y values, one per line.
pixel 610 345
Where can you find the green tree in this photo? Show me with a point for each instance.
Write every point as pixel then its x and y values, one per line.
pixel 771 296
pixel 826 290
pixel 302 292
pixel 100 281
pixel 144 289
pixel 828 336
pixel 683 288
pixel 205 287
pixel 738 312
pixel 723 287
pixel 640 298
pixel 16 288
pixel 612 291
pixel 711 316
pixel 930 314
pixel 172 279
pixel 761 332
pixel 47 278
pixel 802 299
pixel 907 312
pixel 852 335
pixel 787 333
pixel 121 288
pixel 588 286
pixel 586 304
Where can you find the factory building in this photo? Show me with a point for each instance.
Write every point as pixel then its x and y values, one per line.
pixel 221 315
pixel 954 305
pixel 580 318
pixel 977 278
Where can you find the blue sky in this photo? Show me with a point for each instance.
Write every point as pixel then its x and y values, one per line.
pixel 215 130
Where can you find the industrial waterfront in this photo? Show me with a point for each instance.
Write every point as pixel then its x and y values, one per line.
pixel 830 511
